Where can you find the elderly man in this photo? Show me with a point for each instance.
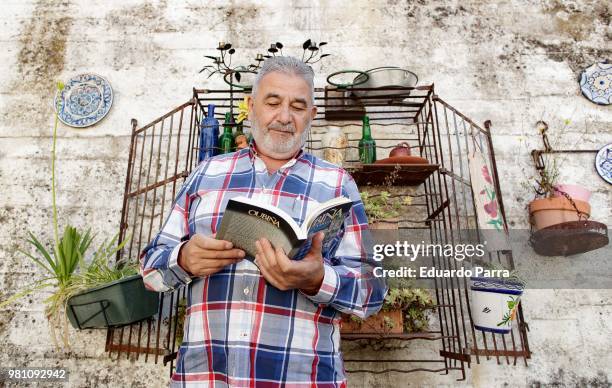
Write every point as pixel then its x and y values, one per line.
pixel 277 322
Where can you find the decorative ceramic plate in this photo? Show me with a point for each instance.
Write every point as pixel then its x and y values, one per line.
pixel 403 160
pixel 596 83
pixel 603 163
pixel 85 100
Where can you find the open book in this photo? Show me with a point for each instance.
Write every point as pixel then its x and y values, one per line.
pixel 246 220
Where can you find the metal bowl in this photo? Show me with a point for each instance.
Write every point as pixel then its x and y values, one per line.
pixel 385 77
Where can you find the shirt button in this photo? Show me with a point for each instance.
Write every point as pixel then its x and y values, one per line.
pixel 246 291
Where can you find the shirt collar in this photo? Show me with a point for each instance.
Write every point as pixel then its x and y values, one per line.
pixel 254 154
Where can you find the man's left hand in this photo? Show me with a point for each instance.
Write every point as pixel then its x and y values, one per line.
pixel 286 274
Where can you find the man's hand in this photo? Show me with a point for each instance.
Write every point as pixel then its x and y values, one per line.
pixel 202 255
pixel 286 274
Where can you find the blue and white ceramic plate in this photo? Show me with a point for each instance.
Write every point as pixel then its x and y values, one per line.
pixel 596 83
pixel 85 100
pixel 603 163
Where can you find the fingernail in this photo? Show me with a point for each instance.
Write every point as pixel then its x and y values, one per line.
pixel 241 254
pixel 228 245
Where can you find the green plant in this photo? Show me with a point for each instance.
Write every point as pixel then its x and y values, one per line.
pixel 180 322
pixel 100 271
pixel 383 206
pixel 63 260
pixel 414 303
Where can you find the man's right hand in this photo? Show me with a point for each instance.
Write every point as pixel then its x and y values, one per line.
pixel 203 255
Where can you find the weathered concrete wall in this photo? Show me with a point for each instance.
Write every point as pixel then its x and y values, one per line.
pixel 513 62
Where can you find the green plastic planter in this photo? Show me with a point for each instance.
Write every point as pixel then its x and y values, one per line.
pixel 117 303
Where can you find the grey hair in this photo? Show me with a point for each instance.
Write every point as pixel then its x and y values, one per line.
pixel 287 65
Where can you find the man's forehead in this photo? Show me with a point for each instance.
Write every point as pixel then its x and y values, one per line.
pixel 277 84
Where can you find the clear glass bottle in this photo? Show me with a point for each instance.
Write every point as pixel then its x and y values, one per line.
pixel 334 144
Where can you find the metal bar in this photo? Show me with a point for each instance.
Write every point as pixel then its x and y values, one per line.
pixel 128 181
pixel 567 151
pixel 120 344
pixel 488 353
pixel 456 208
pixel 136 349
pixel 149 321
pixel 163 200
pixel 464 117
pixel 157 170
pixel 146 193
pixel 157 120
pixel 183 174
pixel 135 221
pixel 448 231
pixel 139 338
pixel 178 148
pixel 425 151
pixel 399 370
pixel 129 343
pixel 159 321
pixel 505 348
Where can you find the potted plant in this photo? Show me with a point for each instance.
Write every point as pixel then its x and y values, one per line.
pixel 63 263
pixel 555 202
pixel 494 301
pixel 383 209
pixel 405 310
pixel 109 295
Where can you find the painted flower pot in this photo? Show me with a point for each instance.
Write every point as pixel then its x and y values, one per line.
pixel 117 303
pixel 552 211
pixel 494 303
pixel 375 324
pixel 574 191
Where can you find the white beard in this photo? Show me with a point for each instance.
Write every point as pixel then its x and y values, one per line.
pixel 278 147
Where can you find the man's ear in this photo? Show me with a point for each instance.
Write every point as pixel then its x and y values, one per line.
pixel 313 112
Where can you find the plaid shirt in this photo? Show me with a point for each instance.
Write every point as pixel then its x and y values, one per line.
pixel 240 330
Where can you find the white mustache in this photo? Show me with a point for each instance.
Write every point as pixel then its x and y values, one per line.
pixel 282 128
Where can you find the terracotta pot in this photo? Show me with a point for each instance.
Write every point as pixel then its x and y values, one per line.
pixel 374 324
pixel 574 191
pixel 551 211
pixel 402 149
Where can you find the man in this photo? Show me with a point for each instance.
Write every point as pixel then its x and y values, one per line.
pixel 269 321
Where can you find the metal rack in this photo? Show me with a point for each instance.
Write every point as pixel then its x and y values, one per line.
pixel 164 152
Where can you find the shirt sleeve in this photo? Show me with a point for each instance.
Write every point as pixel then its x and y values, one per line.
pixel 159 259
pixel 349 284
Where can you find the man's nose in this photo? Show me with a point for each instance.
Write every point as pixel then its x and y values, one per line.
pixel 284 116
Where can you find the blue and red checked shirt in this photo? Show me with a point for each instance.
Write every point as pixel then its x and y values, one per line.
pixel 239 329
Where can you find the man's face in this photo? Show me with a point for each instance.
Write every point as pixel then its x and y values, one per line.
pixel 281 114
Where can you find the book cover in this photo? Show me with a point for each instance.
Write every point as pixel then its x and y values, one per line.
pixel 246 220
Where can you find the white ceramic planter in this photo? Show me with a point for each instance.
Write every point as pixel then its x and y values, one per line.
pixel 494 303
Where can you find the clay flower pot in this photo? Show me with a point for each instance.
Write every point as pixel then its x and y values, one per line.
pixel 555 210
pixel 574 191
pixel 375 324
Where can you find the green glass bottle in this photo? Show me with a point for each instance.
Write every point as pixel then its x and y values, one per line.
pixel 367 145
pixel 226 140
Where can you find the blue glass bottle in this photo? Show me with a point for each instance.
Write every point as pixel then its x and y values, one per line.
pixel 209 135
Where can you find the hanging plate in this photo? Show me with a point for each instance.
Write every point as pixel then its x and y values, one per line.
pixel 596 83
pixel 603 163
pixel 85 100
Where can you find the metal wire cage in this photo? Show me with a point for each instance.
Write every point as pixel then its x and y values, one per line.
pixel 164 152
